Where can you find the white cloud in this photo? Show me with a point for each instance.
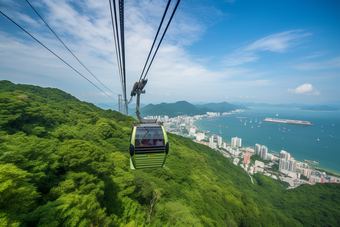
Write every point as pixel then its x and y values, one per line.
pixel 240 96
pixel 315 54
pixel 306 89
pixel 279 43
pixel 226 97
pixel 328 64
pixel 167 94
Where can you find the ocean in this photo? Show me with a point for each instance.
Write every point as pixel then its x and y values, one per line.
pixel 299 140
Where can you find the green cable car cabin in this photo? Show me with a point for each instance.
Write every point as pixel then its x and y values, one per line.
pixel 149 146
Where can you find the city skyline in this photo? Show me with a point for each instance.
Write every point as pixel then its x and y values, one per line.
pixel 267 52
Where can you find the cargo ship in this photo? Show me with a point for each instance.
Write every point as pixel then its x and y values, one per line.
pixel 286 121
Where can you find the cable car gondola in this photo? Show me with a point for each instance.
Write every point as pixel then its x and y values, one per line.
pixel 149 146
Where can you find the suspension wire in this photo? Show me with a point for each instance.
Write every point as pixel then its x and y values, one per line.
pixel 56 55
pixel 68 48
pixel 121 17
pixel 173 13
pixel 119 43
pixel 159 27
pixel 116 39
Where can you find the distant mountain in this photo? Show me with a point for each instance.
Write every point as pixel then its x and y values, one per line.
pixel 186 108
pixel 221 107
pixel 173 109
pixel 320 108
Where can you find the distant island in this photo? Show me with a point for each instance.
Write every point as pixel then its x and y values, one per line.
pixel 330 107
pixel 320 108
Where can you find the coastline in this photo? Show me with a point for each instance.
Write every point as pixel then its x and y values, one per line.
pixel 276 153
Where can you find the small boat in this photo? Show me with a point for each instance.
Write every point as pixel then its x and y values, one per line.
pixel 282 137
pixel 321 130
pixel 283 131
pixel 279 128
pixel 260 122
pixel 251 119
pixel 255 119
pixel 277 114
pixel 220 132
pixel 259 126
pixel 252 127
pixel 331 136
pixel 245 123
pixel 318 140
pixel 269 137
pixel 288 130
pixel 332 124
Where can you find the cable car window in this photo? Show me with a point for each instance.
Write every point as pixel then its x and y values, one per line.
pixel 149 137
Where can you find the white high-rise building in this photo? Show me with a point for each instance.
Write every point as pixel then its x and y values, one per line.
pixel 219 141
pixel 283 154
pixel 166 118
pixel 200 136
pixel 264 151
pixel 192 131
pixel 292 165
pixel 287 162
pixel 239 142
pixel 211 141
pixel 257 149
pixel 233 141
pixel 236 142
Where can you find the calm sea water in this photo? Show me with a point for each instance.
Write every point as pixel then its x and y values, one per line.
pixel 299 140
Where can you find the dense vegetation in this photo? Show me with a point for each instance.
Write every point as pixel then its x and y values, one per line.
pixel 64 162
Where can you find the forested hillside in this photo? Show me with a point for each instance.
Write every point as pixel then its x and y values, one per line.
pixel 64 162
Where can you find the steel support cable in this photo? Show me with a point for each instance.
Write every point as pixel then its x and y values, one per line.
pixel 173 13
pixel 56 55
pixel 121 18
pixel 115 34
pixel 154 41
pixel 68 48
pixel 119 49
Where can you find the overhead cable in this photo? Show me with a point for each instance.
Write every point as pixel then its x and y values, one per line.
pixel 68 48
pixel 56 55
pixel 116 39
pixel 119 43
pixel 159 27
pixel 121 17
pixel 173 13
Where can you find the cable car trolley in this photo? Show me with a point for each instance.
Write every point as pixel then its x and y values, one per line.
pixel 149 144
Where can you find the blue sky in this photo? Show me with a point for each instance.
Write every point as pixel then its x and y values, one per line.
pixel 214 51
